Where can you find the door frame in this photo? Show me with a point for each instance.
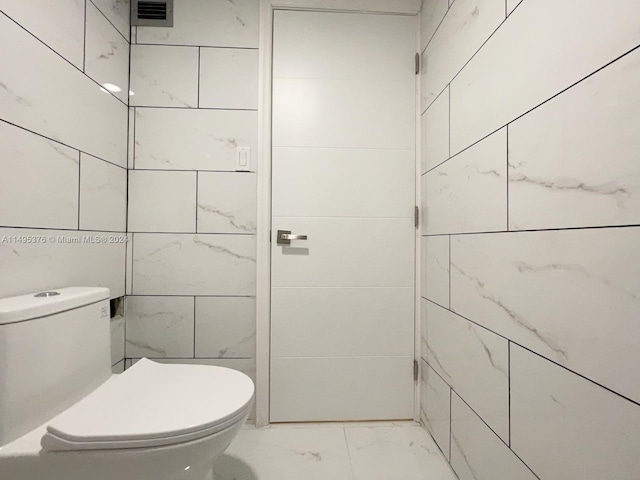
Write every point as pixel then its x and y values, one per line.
pixel 263 168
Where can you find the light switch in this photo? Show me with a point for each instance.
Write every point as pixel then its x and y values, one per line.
pixel 243 159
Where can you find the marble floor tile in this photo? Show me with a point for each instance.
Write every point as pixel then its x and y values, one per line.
pixel 286 454
pixel 391 453
pixel 333 451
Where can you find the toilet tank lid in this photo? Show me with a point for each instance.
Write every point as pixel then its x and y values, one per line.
pixel 44 303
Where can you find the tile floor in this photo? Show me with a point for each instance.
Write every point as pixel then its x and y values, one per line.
pixel 334 451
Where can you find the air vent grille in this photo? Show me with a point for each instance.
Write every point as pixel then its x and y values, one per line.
pixel 152 10
pixel 152 13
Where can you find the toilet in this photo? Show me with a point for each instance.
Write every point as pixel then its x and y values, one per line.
pixel 64 416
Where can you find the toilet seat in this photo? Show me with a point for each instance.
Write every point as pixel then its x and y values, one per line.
pixel 152 405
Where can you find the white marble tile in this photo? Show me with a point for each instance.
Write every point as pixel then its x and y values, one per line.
pixel 118 367
pixel 286 453
pixel 535 287
pixel 465 28
pixel 433 11
pixel 64 104
pixel 435 403
pixel 162 201
pixel 573 161
pixel 181 139
pixel 118 13
pixel 164 76
pixel 57 23
pixel 511 5
pixel 160 326
pixel 214 24
pixel 305 389
pixel 564 426
pixel 436 141
pixel 103 195
pixel 473 361
pixel 391 453
pixel 542 41
pixel 468 193
pixel 131 138
pixel 303 176
pixel 106 54
pixel 228 78
pixel 39 181
pixel 227 202
pixel 325 259
pixel 320 322
pixel 343 113
pixel 194 264
pixel 225 327
pixel 129 265
pixel 343 45
pixel 477 453
pixel 117 339
pixel 59 258
pixel 435 269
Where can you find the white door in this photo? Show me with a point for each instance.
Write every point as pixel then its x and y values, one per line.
pixel 342 315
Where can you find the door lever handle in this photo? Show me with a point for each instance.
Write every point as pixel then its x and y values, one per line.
pixel 285 236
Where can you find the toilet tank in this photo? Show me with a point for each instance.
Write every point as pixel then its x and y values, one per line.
pixel 54 350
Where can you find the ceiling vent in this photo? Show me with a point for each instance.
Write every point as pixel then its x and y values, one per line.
pixel 152 13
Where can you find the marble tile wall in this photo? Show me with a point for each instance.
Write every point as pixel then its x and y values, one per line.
pixel 64 85
pixel 531 222
pixel 192 216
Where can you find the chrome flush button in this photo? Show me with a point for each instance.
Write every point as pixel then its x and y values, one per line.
pixel 46 294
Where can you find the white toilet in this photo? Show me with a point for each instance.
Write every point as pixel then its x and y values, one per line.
pixel 63 416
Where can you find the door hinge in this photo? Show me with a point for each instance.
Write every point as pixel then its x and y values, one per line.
pixel 415 370
pixel 417 63
pixel 416 216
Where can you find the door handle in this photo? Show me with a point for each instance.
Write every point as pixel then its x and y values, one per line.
pixel 285 237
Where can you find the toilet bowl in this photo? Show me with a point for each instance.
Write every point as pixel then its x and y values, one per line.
pixel 65 419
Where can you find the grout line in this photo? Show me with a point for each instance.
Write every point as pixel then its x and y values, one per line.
pixel 173 107
pixel 54 229
pixel 544 102
pixel 437 28
pixel 236 234
pixel 449 152
pixel 197 196
pixel 508 224
pixel 449 271
pixel 84 49
pixel 498 436
pixel 194 170
pixel 473 56
pixel 108 20
pixel 63 58
pixel 125 323
pixel 194 326
pixel 61 143
pixel 199 78
pixel 535 353
pixel 194 46
pixel 509 377
pixel 195 296
pixel 133 236
pixel 346 444
pixel 532 230
pixel 133 150
pixel 450 415
pixel 79 185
